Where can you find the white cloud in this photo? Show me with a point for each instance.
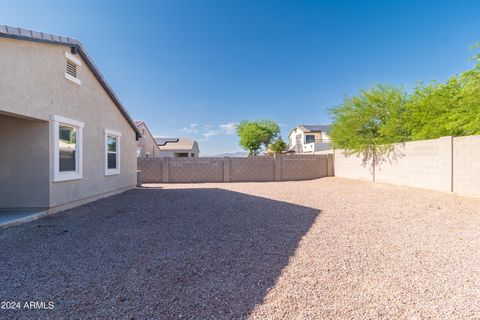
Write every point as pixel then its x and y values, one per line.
pixel 228 128
pixel 192 128
pixel 207 131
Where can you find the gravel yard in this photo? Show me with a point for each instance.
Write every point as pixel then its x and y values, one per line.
pixel 327 248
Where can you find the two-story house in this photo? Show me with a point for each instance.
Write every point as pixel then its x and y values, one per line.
pixel 309 139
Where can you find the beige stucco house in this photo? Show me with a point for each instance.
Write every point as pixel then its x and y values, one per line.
pixel 65 138
pixel 178 147
pixel 309 139
pixel 146 145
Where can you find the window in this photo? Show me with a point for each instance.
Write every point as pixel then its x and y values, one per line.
pixel 72 64
pixel 67 148
pixel 192 155
pixel 309 138
pixel 112 152
pixel 181 155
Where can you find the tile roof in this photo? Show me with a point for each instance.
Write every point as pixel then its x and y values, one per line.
pixel 24 34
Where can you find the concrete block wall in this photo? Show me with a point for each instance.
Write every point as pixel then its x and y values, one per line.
pixel 151 168
pixel 422 164
pixel 225 169
pixel 352 166
pixel 252 169
pixel 466 165
pixel 300 167
pixel 445 164
pixel 184 170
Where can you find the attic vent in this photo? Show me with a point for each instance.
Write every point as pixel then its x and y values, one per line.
pixel 72 65
pixel 71 68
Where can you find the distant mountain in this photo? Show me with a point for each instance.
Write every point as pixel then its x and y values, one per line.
pixel 232 154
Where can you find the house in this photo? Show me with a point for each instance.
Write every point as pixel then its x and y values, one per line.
pixel 146 145
pixel 178 147
pixel 309 139
pixel 65 138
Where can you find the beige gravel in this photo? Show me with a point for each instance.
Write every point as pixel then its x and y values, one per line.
pixel 320 249
pixel 375 251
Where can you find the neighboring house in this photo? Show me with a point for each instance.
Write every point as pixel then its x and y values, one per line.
pixel 309 139
pixel 178 147
pixel 65 138
pixel 146 145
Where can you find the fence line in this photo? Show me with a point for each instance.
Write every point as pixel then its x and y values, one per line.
pixel 229 169
pixel 450 164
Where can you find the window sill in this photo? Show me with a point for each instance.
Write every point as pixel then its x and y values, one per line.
pixel 112 172
pixel 67 176
pixel 73 79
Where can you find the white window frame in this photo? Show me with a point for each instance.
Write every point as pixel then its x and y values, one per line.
pixel 118 135
pixel 70 57
pixel 70 175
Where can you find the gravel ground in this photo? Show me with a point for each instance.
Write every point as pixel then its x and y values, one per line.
pixel 327 248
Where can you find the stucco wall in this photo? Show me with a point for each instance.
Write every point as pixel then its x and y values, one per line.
pixel 24 163
pixel 225 169
pixel 147 143
pixel 32 83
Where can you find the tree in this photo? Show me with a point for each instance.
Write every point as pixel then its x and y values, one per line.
pixel 278 146
pixel 370 122
pixel 255 135
pixel 446 109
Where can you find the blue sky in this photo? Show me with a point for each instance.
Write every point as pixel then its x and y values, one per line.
pixel 193 68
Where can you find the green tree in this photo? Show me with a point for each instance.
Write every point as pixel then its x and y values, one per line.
pixel 370 122
pixel 255 135
pixel 446 109
pixel 278 146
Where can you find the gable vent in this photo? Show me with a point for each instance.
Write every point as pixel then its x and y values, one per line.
pixel 71 68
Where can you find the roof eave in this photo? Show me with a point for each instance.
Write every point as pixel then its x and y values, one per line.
pixel 70 42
